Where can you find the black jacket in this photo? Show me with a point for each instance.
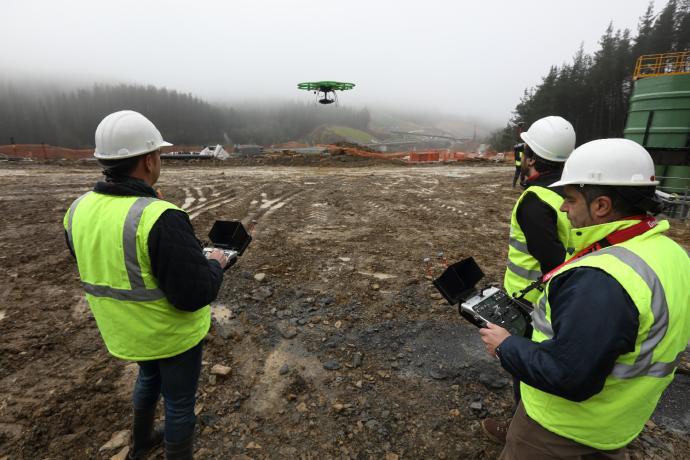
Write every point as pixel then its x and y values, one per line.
pixel 538 222
pixel 186 277
pixel 594 321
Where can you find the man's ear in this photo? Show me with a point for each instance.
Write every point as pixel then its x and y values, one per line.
pixel 149 162
pixel 601 207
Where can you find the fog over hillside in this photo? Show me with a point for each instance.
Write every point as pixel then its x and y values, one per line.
pixel 467 59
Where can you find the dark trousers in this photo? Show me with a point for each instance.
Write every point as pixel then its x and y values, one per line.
pixel 177 379
pixel 516 176
pixel 529 440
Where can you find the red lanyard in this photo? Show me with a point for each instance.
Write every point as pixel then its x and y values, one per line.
pixel 647 223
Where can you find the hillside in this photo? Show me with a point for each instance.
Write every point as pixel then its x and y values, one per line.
pixel 328 134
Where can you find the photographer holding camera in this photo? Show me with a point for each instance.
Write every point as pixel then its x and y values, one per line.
pixel 146 279
pixel 518 153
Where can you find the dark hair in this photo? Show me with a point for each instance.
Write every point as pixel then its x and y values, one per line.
pixel 540 164
pixel 625 200
pixel 117 170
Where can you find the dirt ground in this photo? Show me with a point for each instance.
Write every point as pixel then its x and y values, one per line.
pixel 338 343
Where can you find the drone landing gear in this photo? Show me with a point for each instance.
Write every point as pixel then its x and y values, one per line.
pixel 326 99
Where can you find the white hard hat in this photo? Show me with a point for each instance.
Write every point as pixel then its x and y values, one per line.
pixel 126 134
pixel 609 162
pixel 552 138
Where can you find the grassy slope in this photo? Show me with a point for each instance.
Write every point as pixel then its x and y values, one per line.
pixel 351 134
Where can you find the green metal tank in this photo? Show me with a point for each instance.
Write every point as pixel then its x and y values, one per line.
pixel 659 119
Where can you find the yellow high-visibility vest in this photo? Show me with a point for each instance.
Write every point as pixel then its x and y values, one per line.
pixel 655 272
pixel 523 268
pixel 109 236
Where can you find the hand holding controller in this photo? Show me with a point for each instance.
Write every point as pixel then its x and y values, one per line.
pixel 225 257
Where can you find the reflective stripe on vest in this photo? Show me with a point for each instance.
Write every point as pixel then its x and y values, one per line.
pixel 655 273
pixel 643 362
pixel 519 245
pixel 539 321
pixel 523 268
pixel 70 216
pixel 138 291
pixel 110 235
pixel 532 275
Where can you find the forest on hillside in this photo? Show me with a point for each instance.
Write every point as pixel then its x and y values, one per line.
pixel 592 92
pixel 69 119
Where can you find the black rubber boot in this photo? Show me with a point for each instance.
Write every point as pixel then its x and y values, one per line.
pixel 144 436
pixel 183 450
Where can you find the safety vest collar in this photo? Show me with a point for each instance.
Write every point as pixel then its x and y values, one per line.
pixel 580 238
pixel 543 179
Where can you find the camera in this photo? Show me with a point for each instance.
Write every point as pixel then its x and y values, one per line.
pixel 230 237
pixel 481 306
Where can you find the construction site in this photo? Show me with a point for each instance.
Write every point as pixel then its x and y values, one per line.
pixel 328 339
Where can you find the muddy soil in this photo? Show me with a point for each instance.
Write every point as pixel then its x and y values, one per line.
pixel 338 343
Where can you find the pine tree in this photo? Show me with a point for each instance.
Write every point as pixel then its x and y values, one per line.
pixel 682 33
pixel 644 31
pixel 661 38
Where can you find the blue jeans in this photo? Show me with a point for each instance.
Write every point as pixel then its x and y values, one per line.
pixel 177 378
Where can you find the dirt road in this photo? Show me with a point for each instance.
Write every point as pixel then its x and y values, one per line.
pixel 339 345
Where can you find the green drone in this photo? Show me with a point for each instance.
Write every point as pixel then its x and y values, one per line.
pixel 325 90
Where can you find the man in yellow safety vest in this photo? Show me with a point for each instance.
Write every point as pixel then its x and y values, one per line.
pixel 538 229
pixel 146 279
pixel 612 321
pixel 518 152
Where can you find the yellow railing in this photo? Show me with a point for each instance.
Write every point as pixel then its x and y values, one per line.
pixel 653 65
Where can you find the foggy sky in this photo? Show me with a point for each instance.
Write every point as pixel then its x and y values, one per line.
pixel 470 58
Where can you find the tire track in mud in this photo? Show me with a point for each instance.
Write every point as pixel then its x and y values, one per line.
pixel 248 205
pixel 266 206
pixel 200 198
pixel 317 215
pixel 387 207
pixel 445 206
pixel 316 211
pixel 211 204
pixel 431 201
